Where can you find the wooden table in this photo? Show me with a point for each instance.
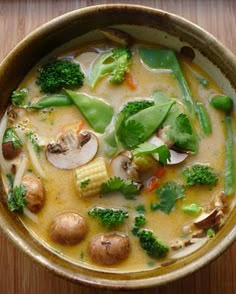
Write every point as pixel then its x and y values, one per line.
pixel 18 274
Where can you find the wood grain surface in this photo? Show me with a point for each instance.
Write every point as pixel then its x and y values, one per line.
pixel 18 274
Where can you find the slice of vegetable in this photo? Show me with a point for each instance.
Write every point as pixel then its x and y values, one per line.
pixel 163 58
pixel 192 209
pixel 51 101
pixel 117 36
pixel 222 102
pixel 96 172
pixel 229 172
pixel 203 118
pixel 96 112
pixel 151 118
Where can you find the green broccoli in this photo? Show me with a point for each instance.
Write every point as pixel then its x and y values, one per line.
pixel 153 246
pixel 139 222
pixel 109 217
pixel 115 63
pixel 60 73
pixel 200 174
pixel 134 107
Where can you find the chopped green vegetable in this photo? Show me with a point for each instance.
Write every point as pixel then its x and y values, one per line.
pixel 57 74
pixel 153 246
pixel 222 102
pixel 183 135
pixel 163 58
pixel 10 136
pixel 109 217
pixel 114 63
pixel 200 175
pixel 140 209
pixel 162 152
pixel 18 97
pixel 51 101
pixel 84 184
pixel 10 178
pixel 192 209
pixel 203 118
pixel 96 112
pixel 229 172
pixel 139 222
pixel 34 140
pixel 168 194
pixel 127 187
pixel 210 233
pixel 16 201
pixel 134 107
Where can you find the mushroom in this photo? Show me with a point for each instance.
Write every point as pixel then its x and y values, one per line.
pixel 9 151
pixel 72 150
pixel 35 194
pixel 218 201
pixel 193 246
pixel 68 228
pixel 123 167
pixel 206 220
pixel 175 157
pixel 109 249
pixel 117 36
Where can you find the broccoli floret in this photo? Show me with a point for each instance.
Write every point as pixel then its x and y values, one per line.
pixel 134 107
pixel 58 74
pixel 139 222
pixel 109 217
pixel 200 174
pixel 115 63
pixel 153 246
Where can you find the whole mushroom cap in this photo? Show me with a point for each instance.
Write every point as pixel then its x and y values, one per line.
pixel 68 228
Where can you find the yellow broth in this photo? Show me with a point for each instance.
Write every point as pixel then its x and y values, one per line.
pixel 61 192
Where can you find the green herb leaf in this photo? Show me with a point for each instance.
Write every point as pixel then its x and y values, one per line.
pixel 84 184
pixel 127 187
pixel 16 201
pixel 34 140
pixel 18 97
pixel 10 136
pixel 163 153
pixel 210 233
pixel 168 194
pixel 140 209
pixel 139 222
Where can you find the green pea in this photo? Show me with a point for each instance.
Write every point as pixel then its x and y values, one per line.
pixel 222 102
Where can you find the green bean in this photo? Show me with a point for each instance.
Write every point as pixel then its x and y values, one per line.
pixel 203 118
pixel 51 101
pixel 222 102
pixel 229 178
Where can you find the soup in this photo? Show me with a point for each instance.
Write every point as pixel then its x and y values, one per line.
pixel 118 155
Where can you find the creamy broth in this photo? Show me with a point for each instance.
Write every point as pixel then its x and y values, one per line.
pixel 60 187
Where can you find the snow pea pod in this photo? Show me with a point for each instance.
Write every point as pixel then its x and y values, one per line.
pixel 97 112
pixel 51 101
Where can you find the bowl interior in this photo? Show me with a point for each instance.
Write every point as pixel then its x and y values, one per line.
pixel 143 24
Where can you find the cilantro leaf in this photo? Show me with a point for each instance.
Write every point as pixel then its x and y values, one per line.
pixel 16 201
pixel 182 133
pixel 10 136
pixel 162 152
pixel 130 134
pixel 127 187
pixel 168 195
pixel 34 140
pixel 18 97
pixel 84 184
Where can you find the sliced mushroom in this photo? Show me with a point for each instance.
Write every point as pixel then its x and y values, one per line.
pixel 123 167
pixel 206 220
pixel 72 150
pixel 175 157
pixel 117 36
pixel 195 245
pixel 9 152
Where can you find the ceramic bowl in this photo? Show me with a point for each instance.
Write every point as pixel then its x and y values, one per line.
pixel 145 24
